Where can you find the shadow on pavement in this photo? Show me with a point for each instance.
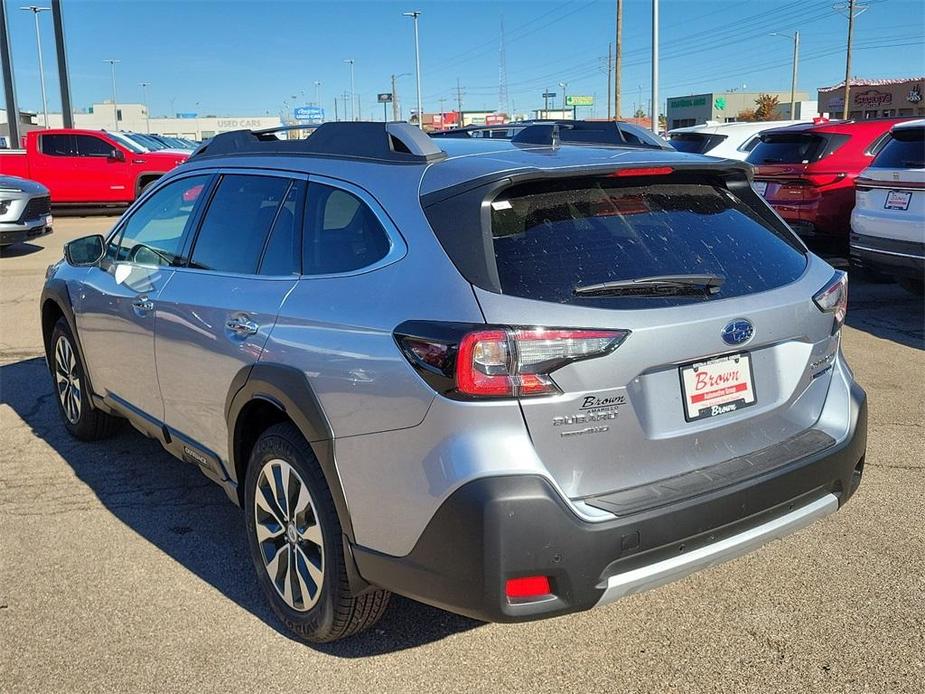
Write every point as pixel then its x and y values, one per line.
pixel 886 311
pixel 17 250
pixel 171 505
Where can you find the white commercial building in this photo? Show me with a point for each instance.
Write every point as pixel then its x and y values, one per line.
pixel 134 117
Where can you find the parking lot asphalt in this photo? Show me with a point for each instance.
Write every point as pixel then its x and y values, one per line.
pixel 123 569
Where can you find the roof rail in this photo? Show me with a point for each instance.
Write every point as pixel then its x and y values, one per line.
pixel 396 142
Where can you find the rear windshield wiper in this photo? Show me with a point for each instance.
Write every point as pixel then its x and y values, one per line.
pixel 659 285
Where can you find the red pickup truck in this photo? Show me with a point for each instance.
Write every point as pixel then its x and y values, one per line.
pixel 86 167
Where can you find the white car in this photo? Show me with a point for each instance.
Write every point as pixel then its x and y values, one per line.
pixel 725 140
pixel 888 221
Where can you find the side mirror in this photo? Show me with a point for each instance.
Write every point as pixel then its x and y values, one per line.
pixel 117 155
pixel 85 251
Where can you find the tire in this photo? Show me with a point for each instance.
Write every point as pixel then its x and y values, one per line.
pixel 81 419
pixel 144 186
pixel 313 538
pixel 913 286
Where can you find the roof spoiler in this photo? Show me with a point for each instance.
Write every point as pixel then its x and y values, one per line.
pixel 394 143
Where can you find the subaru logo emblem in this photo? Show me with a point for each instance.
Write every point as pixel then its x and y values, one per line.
pixel 738 332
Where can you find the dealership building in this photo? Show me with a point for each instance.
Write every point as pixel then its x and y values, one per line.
pixel 724 107
pixel 875 98
pixel 134 117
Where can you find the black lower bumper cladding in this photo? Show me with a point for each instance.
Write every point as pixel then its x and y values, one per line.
pixel 497 528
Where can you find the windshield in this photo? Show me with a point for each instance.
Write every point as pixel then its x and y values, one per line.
pixel 127 142
pixel 148 141
pixel 904 150
pixel 551 237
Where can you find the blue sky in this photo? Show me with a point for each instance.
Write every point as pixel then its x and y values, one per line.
pixel 247 57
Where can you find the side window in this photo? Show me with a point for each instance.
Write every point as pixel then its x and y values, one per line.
pixel 236 224
pixel 89 146
pixel 153 235
pixel 283 255
pixel 341 233
pixel 58 145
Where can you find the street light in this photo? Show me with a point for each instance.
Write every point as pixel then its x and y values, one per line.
pixel 35 9
pixel 115 108
pixel 793 77
pixel 350 62
pixel 563 86
pixel 144 89
pixel 318 93
pixel 417 63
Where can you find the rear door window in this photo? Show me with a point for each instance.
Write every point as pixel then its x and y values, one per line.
pixel 237 223
pixel 904 150
pixel 551 237
pixel 59 145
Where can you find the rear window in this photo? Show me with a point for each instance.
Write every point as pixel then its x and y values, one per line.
pixel 695 143
pixel 794 148
pixel 551 237
pixel 904 150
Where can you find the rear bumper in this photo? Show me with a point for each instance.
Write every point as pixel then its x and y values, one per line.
pixel 496 528
pixel 890 256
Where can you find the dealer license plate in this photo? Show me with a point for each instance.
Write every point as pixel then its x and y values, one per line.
pixel 897 200
pixel 717 386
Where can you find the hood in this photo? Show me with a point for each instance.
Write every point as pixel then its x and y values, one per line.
pixel 15 184
pixel 164 159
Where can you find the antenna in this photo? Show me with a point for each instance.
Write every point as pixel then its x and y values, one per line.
pixel 503 98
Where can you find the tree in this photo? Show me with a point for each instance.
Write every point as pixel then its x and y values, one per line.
pixel 640 113
pixel 747 116
pixel 765 106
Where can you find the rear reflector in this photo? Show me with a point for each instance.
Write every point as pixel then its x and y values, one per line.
pixel 644 171
pixel 527 587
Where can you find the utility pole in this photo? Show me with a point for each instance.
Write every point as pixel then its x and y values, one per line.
pixel 115 106
pixel 563 86
pixel 442 101
pixel 853 8
pixel 546 103
pixel 417 63
pixel 9 86
pixel 396 116
pixel 609 68
pixel 618 62
pixel 336 116
pixel 35 10
pixel 144 89
pixel 318 93
pixel 654 106
pixel 458 98
pixel 64 78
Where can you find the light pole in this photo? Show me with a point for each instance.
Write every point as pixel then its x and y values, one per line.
pixel 144 89
pixel 317 93
pixel 655 66
pixel 417 63
pixel 563 86
pixel 793 77
pixel 35 9
pixel 350 62
pixel 396 106
pixel 115 107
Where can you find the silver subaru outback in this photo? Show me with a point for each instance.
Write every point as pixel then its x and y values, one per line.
pixel 513 379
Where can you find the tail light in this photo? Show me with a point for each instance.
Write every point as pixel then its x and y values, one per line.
pixel 498 362
pixel 833 298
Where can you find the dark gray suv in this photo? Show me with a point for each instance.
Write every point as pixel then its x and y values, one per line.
pixel 509 378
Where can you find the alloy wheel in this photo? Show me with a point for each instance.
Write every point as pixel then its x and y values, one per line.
pixel 289 535
pixel 67 379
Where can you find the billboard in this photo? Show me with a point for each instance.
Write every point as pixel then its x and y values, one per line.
pixel 579 101
pixel 312 114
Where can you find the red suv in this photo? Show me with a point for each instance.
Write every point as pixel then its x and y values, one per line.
pixel 807 171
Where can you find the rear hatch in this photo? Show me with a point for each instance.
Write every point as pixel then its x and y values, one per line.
pixel 695 143
pixel 786 169
pixel 709 370
pixel 891 191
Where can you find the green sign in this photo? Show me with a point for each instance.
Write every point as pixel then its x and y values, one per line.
pixel 579 101
pixel 719 103
pixel 688 102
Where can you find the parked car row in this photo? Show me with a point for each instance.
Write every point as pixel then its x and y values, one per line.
pixel 25 210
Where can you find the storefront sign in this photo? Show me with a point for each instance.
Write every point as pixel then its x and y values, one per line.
pixel 872 97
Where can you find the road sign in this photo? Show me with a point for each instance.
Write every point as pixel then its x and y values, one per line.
pixel 384 98
pixel 549 95
pixel 579 101
pixel 312 114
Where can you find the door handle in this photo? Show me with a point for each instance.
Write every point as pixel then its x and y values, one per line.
pixel 143 303
pixel 242 326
